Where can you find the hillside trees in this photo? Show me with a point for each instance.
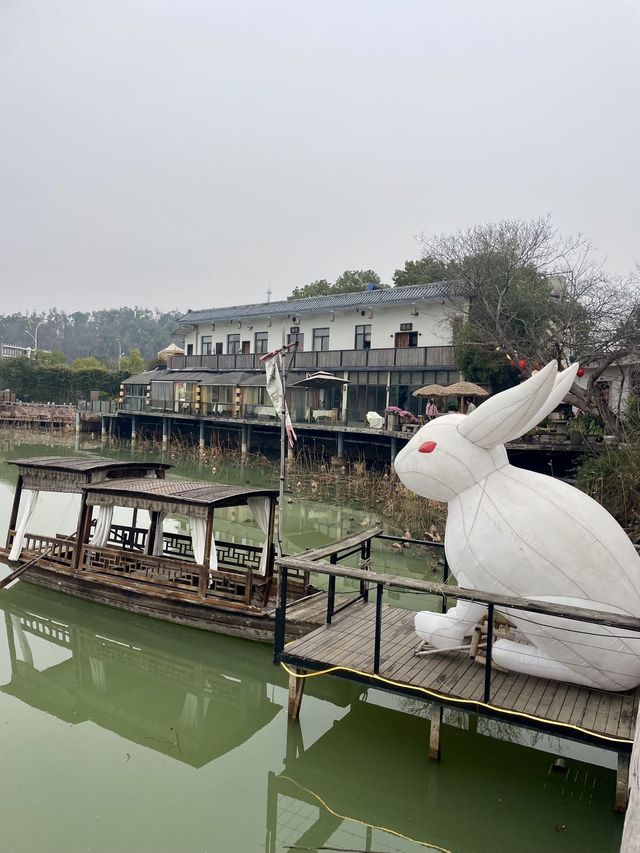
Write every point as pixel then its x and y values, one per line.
pixel 102 334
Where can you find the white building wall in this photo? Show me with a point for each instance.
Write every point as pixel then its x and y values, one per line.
pixel 431 321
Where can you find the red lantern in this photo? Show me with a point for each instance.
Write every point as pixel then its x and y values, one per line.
pixel 580 372
pixel 522 364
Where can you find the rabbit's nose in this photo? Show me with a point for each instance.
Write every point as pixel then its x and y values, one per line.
pixel 427 447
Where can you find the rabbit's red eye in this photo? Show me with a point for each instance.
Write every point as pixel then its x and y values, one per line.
pixel 427 447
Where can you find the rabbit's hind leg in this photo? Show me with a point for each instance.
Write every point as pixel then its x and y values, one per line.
pixel 448 630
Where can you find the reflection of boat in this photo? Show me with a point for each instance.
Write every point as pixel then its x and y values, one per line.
pixel 167 689
pixel 195 579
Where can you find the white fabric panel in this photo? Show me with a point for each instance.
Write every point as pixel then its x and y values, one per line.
pixel 27 512
pixel 158 542
pixel 260 509
pixel 103 526
pixel 198 538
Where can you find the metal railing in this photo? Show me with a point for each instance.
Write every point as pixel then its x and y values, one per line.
pixel 381 582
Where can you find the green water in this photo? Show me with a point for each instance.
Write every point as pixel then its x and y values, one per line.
pixel 120 733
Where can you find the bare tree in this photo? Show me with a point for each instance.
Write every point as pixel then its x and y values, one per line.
pixel 535 295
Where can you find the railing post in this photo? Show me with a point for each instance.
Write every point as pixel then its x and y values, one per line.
pixel 445 580
pixel 331 592
pixel 281 615
pixel 378 638
pixel 487 671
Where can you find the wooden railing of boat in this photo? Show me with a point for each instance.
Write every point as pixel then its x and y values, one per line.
pixel 124 561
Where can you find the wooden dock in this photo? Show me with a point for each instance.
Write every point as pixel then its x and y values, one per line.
pixel 453 678
pixel 374 643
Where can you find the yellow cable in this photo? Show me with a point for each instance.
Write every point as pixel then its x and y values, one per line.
pixel 444 697
pixel 362 822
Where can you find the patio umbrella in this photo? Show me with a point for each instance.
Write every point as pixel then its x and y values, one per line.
pixel 431 391
pixel 319 380
pixel 465 389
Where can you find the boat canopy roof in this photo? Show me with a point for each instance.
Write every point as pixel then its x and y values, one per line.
pixel 186 497
pixel 73 473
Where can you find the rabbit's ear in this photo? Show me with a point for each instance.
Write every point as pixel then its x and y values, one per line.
pixel 506 415
pixel 561 388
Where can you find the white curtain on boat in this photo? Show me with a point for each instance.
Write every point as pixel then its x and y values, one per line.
pixel 189 715
pixel 21 529
pixel 260 509
pixel 24 649
pixel 100 535
pixel 158 542
pixel 199 538
pixel 98 675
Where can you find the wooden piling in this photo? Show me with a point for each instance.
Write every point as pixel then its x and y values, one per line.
pixel 622 782
pixel 296 691
pixel 435 732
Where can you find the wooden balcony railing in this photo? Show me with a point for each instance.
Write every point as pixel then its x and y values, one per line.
pixel 372 359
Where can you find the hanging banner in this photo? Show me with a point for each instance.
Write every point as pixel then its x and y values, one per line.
pixel 275 392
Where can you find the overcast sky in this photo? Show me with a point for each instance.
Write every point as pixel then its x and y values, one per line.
pixel 187 153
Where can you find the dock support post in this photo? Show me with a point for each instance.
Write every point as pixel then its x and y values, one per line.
pixel 622 782
pixel 77 423
pixel 296 691
pixel 345 399
pixel 165 432
pixel 244 441
pixel 434 733
pixel 201 436
pixel 103 427
pixel 340 445
pixel 134 434
pixel 290 454
pixel 394 449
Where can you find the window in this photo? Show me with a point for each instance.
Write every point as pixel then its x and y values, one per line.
pixel 296 337
pixel 233 344
pixel 321 340
pixel 363 337
pixel 189 349
pixel 261 342
pixel 205 345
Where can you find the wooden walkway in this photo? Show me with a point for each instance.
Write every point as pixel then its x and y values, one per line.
pixel 456 679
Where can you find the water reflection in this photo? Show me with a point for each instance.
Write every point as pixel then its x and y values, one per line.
pixel 352 775
pixel 152 686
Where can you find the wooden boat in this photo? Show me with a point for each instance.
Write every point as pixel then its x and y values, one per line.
pixel 221 586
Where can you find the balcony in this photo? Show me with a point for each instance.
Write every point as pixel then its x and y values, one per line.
pixel 363 359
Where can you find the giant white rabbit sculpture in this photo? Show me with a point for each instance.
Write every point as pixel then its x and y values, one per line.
pixel 520 533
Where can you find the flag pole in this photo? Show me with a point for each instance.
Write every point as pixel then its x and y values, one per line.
pixel 286 430
pixel 283 443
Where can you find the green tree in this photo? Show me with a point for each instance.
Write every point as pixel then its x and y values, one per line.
pixel 50 358
pixel 423 271
pixel 132 363
pixel 90 362
pixel 321 287
pixel 351 281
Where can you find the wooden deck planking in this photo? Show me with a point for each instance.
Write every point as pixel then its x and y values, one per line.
pixel 349 642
